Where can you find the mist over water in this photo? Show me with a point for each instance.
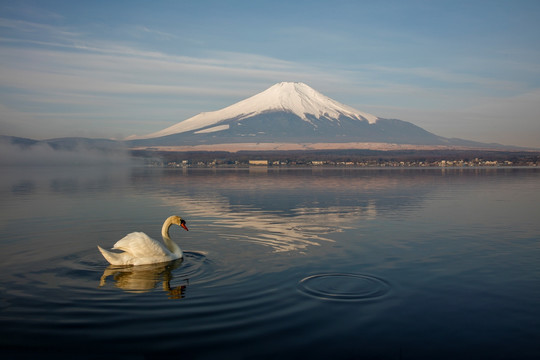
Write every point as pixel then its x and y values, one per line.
pixel 289 263
pixel 78 152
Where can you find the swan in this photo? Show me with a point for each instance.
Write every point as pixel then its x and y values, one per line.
pixel 140 249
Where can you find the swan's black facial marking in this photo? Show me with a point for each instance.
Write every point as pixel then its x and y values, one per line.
pixel 183 224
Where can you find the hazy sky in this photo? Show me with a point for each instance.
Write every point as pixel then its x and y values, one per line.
pixel 468 69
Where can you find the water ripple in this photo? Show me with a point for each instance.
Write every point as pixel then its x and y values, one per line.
pixel 344 287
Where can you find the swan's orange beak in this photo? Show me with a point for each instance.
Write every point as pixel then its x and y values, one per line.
pixel 184 226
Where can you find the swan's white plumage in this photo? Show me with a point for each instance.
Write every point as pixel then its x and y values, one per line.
pixel 139 249
pixel 139 245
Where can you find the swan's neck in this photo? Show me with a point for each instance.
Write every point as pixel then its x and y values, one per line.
pixel 171 245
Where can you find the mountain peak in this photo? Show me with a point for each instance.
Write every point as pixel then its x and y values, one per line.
pixel 292 97
pixel 302 100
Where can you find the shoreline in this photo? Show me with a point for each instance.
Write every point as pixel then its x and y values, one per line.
pixel 238 147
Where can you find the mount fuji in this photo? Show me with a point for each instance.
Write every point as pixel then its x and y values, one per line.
pixel 291 113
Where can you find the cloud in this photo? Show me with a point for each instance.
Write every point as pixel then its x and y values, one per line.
pixel 446 78
pixel 123 71
pixel 104 79
pixel 64 83
pixel 157 33
pixel 23 29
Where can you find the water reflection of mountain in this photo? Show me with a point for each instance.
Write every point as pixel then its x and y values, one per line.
pixel 285 209
pixel 294 186
pixel 293 209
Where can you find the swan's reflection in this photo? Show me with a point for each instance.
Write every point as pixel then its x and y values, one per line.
pixel 143 278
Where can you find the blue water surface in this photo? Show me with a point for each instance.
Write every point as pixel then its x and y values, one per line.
pixel 285 263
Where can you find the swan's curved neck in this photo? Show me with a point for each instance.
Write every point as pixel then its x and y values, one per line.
pixel 165 229
pixel 171 245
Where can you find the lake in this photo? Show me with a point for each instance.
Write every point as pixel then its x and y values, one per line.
pixel 285 263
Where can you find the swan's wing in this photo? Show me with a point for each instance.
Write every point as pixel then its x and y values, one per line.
pixel 115 259
pixel 139 245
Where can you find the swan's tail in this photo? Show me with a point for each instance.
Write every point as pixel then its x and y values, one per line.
pixel 113 258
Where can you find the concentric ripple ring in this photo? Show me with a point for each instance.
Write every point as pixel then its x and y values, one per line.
pixel 344 287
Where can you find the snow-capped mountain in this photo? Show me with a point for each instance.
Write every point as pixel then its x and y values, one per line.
pixel 294 98
pixel 292 113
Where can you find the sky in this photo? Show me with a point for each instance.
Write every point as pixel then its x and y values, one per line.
pixel 110 69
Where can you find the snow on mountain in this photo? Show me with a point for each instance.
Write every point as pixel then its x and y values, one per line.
pixel 290 97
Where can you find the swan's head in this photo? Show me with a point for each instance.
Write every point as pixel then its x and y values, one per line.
pixel 177 220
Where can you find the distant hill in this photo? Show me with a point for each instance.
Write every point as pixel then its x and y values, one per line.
pixel 66 144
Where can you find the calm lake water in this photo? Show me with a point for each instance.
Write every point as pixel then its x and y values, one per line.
pixel 279 263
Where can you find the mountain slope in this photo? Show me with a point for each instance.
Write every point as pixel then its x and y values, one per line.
pixel 294 98
pixel 291 113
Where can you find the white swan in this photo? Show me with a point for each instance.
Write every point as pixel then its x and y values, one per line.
pixel 139 249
